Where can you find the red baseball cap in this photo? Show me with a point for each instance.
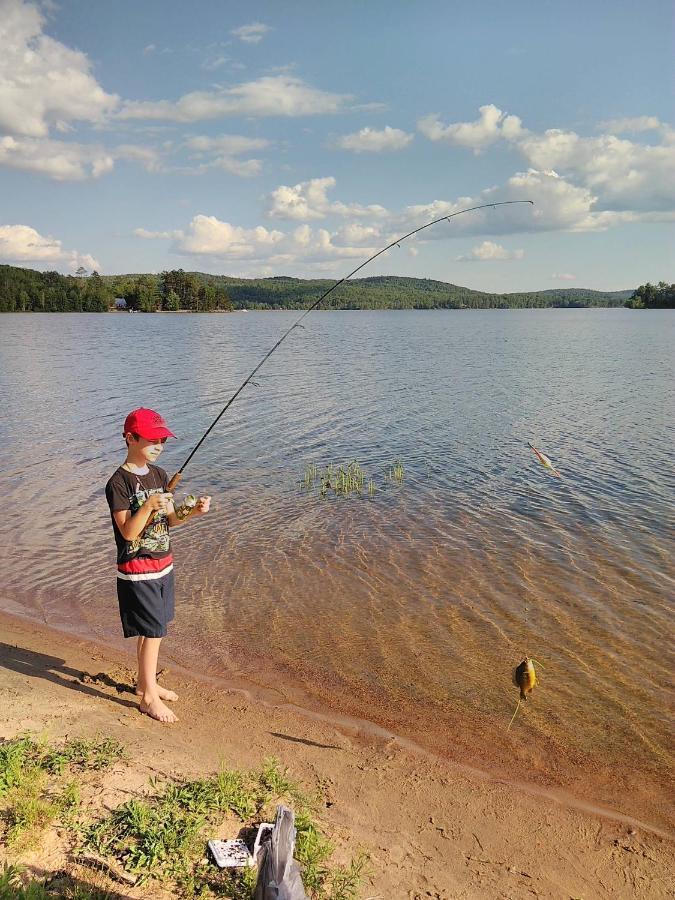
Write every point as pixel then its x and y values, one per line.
pixel 148 424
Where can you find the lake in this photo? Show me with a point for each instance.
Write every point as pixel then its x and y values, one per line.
pixel 407 609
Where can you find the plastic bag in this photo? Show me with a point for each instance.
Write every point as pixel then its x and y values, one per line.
pixel 278 873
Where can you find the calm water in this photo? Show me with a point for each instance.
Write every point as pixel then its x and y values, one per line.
pixel 410 608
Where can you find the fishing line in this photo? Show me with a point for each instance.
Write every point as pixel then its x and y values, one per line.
pixel 396 243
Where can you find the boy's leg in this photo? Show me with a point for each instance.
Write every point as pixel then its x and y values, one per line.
pixel 151 703
pixel 164 693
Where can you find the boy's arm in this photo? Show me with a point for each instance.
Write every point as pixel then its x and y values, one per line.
pixel 132 526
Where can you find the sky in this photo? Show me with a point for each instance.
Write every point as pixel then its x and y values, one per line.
pixel 298 138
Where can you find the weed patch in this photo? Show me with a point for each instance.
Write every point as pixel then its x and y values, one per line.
pixel 13 886
pixel 163 836
pixel 33 790
pixel 347 479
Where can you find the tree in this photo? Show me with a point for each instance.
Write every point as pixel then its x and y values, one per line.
pixel 143 294
pixel 81 272
pixel 649 296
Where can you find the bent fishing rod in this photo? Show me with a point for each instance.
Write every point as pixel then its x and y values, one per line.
pixel 397 243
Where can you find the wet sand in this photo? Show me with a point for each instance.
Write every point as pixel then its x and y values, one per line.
pixel 434 828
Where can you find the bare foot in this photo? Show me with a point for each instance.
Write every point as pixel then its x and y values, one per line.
pixel 154 708
pixel 163 693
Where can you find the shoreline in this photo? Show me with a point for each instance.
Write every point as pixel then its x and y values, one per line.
pixel 431 825
pixel 266 697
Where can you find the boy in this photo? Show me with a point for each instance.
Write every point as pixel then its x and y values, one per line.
pixel 142 511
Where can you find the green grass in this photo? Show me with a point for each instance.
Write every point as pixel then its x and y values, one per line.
pixel 163 836
pixel 27 752
pixel 13 886
pixel 33 790
pixel 160 836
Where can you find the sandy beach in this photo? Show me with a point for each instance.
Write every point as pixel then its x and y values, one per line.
pixel 432 829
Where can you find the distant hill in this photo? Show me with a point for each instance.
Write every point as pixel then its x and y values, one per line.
pixel 26 289
pixel 398 292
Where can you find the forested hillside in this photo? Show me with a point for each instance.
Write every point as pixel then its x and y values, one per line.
pixel 25 290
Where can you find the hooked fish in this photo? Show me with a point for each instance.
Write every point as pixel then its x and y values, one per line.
pixel 544 460
pixel 524 677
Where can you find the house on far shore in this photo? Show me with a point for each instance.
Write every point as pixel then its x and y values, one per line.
pixel 120 303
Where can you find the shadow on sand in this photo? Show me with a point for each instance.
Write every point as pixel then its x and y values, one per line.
pixel 51 668
pixel 308 743
pixel 64 884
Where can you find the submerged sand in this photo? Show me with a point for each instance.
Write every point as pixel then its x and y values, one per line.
pixel 433 829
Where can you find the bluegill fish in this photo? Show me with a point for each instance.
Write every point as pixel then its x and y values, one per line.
pixel 525 678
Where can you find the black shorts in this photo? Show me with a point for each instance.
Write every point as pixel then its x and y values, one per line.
pixel 146 607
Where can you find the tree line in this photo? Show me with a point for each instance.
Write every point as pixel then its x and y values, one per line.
pixel 25 290
pixel 398 292
pixel 170 291
pixel 650 296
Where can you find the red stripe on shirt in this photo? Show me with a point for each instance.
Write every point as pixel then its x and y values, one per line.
pixel 143 564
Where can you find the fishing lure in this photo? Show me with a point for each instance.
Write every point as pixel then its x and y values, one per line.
pixel 396 243
pixel 544 460
pixel 525 678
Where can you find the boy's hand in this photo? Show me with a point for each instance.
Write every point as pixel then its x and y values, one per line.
pixel 158 502
pixel 202 507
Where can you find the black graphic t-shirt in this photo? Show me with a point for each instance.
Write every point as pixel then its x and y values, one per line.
pixel 128 490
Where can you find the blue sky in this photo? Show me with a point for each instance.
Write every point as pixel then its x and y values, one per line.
pixel 298 138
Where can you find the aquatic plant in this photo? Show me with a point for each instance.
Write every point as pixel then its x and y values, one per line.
pixel 396 472
pixel 346 479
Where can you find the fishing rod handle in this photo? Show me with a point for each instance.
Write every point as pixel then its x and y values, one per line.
pixel 174 482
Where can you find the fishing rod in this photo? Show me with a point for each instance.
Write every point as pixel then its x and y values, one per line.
pixel 397 243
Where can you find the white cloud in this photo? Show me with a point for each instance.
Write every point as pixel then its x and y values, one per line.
pixel 83 259
pixel 489 252
pixel 308 200
pixel 21 243
pixel 222 153
pixel 242 168
pixel 150 48
pixel 251 34
pixel 636 124
pixel 373 141
pixel 56 159
pixel 155 235
pixel 492 125
pixel 210 65
pixel 622 176
pixel 43 83
pixel 563 276
pixel 279 95
pixel 208 236
pixel 228 144
pixel 355 234
pixel 148 157
pixel 558 206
